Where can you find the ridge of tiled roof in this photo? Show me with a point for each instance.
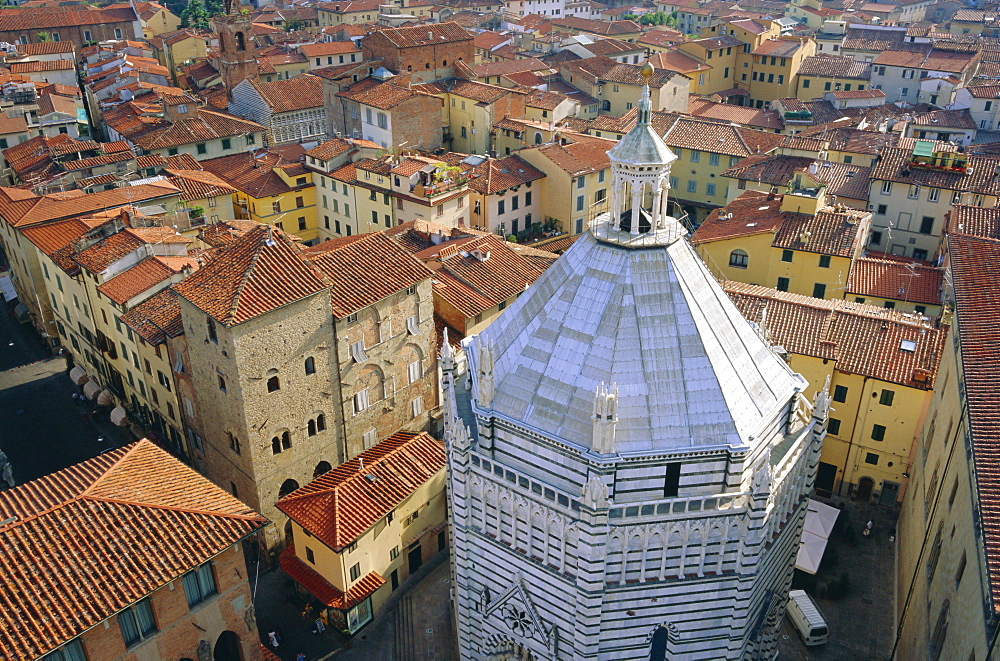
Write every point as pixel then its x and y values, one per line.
pixel 495 175
pixel 135 280
pixel 983 222
pixel 585 154
pixel 23 210
pixel 259 272
pixel 339 506
pixel 862 339
pixel 894 165
pixel 835 66
pixel 254 173
pixel 366 268
pixel 60 557
pixel 846 180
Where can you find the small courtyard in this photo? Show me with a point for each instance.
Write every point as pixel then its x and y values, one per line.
pixel 860 610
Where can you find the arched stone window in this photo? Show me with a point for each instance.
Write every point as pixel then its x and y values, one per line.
pixel 322 467
pixel 310 365
pixel 739 259
pixel 311 427
pixel 287 487
pixel 321 422
pixel 273 383
pixel 241 43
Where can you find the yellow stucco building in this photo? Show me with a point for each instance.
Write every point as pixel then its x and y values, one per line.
pixel 273 187
pixel 363 528
pixel 879 366
pixel 792 242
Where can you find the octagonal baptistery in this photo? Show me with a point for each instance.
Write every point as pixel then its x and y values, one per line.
pixel 629 460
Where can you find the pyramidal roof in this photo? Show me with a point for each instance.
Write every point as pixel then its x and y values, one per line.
pixel 640 315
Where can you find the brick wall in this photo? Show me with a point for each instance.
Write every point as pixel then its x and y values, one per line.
pixel 182 629
pixel 425 63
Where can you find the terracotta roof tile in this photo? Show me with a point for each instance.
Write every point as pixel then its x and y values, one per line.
pixel 778 47
pixel 24 208
pixel 366 268
pixel 975 269
pixel 432 33
pixel 321 589
pixel 692 133
pixel 835 66
pixel 260 272
pixel 490 69
pixel 751 117
pixel 582 156
pixel 298 93
pixel 862 339
pixel 894 165
pixel 140 278
pixel 157 318
pixel 382 95
pixel 851 181
pixel 828 232
pixel 495 175
pixel 254 172
pixel 607 28
pixel 225 232
pixel 61 556
pixel 895 279
pixel 198 184
pixel 339 506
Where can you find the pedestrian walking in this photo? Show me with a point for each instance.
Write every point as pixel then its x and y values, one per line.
pixel 320 627
pixel 300 657
pixel 868 528
pixel 273 637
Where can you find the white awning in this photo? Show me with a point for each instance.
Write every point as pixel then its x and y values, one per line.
pixel 7 288
pixel 78 376
pixel 118 416
pixel 104 399
pixel 91 389
pixel 820 520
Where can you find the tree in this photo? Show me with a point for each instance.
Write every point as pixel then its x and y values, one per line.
pixel 44 36
pixel 630 17
pixel 293 25
pixel 195 16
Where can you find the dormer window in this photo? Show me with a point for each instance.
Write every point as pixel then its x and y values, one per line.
pixel 182 109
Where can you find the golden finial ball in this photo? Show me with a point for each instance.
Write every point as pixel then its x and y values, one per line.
pixel 647 70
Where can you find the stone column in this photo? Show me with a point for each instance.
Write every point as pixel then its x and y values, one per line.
pixel 617 191
pixel 657 208
pixel 636 205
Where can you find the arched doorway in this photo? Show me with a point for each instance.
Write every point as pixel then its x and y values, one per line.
pixel 289 539
pixel 865 486
pixel 228 648
pixel 287 487
pixel 322 467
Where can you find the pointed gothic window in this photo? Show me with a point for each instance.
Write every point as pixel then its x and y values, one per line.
pixel 240 41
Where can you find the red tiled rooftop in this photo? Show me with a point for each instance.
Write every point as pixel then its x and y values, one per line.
pixel 892 279
pixel 323 590
pixel 975 268
pixel 260 272
pixel 339 506
pixel 64 554
pixel 862 339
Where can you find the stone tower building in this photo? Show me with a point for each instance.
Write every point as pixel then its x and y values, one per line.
pixel 301 360
pixel 237 52
pixel 629 461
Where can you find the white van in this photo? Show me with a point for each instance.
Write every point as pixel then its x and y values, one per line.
pixel 807 618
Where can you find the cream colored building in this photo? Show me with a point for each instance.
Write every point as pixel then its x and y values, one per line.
pixel 947 597
pixel 363 528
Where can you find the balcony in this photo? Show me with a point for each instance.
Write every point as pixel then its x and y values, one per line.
pixel 437 188
pixel 926 157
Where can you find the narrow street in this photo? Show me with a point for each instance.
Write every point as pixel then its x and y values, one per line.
pixel 41 429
